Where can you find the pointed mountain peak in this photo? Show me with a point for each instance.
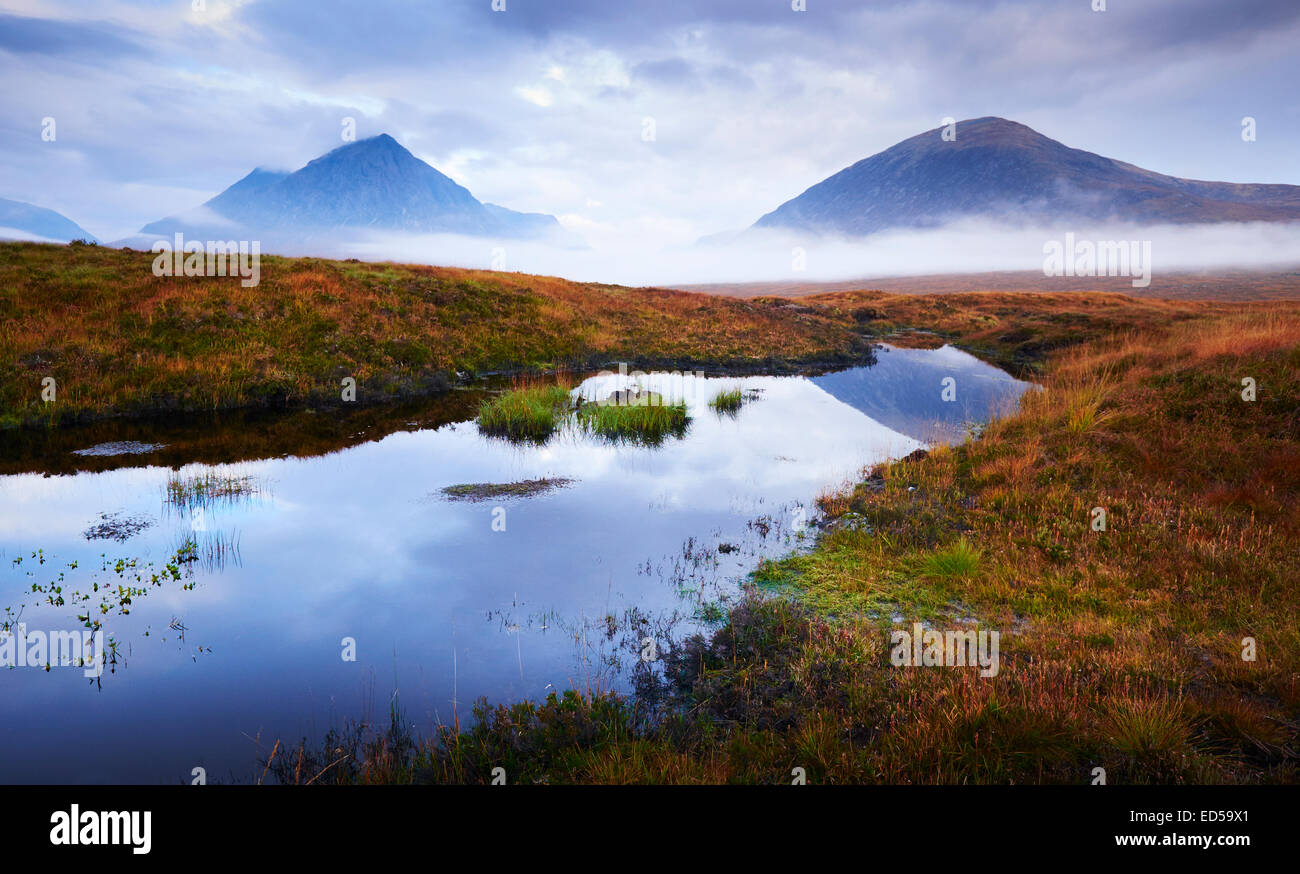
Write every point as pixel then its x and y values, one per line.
pixel 378 144
pixel 371 184
pixel 378 141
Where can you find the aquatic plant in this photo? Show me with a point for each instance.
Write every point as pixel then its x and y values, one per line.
pixel 210 550
pixel 533 413
pixel 648 422
pixel 728 401
pixel 113 589
pixel 526 413
pixel 117 526
pixel 209 488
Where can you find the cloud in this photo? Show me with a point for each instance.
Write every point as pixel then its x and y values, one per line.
pixel 542 107
pixel 41 36
pixel 535 96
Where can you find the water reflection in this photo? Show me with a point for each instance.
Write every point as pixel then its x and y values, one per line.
pixel 446 600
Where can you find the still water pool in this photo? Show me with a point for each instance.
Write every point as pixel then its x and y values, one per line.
pixel 299 560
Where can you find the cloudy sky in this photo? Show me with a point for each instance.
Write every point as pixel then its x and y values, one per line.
pixel 542 107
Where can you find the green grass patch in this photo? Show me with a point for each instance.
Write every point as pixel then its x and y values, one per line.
pixel 728 401
pixel 532 413
pixel 648 422
pixel 957 561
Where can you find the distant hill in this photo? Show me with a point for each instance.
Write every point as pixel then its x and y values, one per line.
pixel 22 220
pixel 999 169
pixel 371 184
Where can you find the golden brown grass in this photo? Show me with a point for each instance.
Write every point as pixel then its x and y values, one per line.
pixel 1125 644
pixel 119 340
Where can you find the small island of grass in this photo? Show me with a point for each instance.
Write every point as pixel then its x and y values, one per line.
pixel 645 419
pixel 530 413
pixel 729 401
pixel 533 413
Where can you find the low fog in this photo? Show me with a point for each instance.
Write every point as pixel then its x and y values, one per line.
pixel 751 256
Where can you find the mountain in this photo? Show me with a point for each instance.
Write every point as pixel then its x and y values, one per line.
pixel 371 184
pixel 902 389
pixel 999 169
pixel 23 220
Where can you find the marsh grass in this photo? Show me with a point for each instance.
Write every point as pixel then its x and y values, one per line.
pixel 209 489
pixel 1147 728
pixel 728 401
pixel 212 551
pixel 530 413
pixel 649 421
pixel 535 411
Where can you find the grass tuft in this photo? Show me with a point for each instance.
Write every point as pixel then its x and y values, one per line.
pixel 958 561
pixel 649 422
pixel 728 401
pixel 529 413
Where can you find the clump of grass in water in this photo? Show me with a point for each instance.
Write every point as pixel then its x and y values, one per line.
pixel 208 488
pixel 211 550
pixel 729 401
pixel 531 413
pixel 534 412
pixel 644 419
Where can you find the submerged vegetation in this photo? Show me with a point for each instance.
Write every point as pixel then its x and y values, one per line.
pixel 117 526
pixel 1130 532
pixel 492 491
